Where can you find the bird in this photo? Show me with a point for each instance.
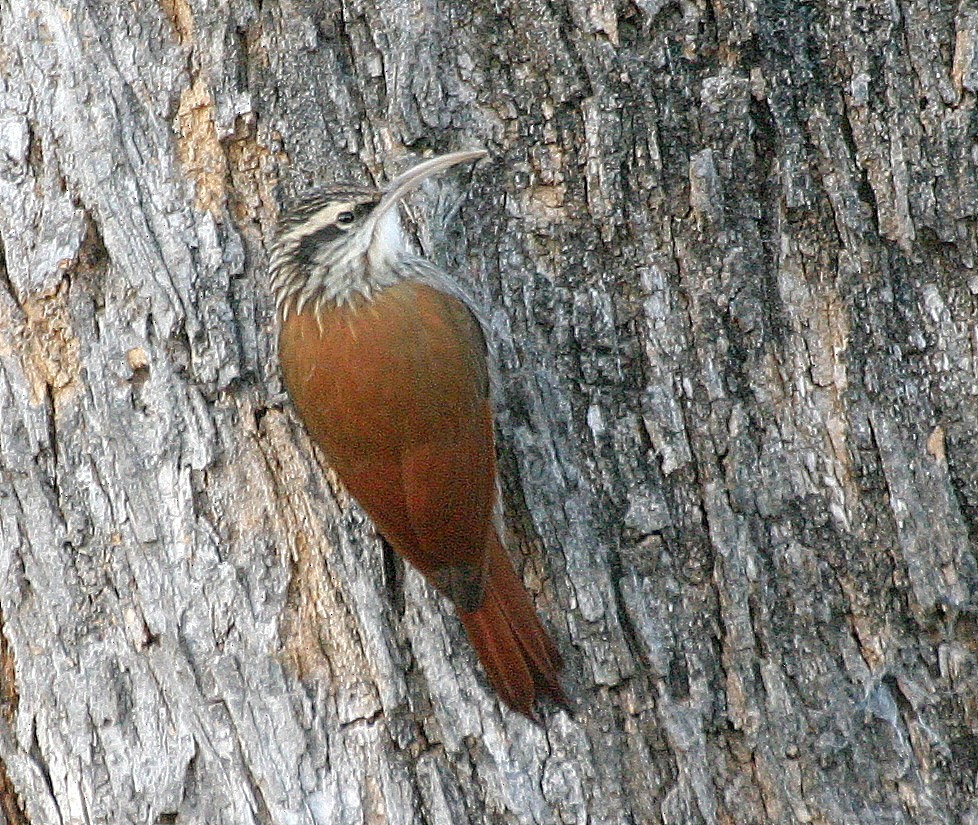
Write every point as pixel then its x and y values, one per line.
pixel 386 362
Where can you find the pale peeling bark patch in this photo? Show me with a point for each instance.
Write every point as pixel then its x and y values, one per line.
pixel 199 148
pixel 308 615
pixel 317 629
pixel 963 71
pixel 181 18
pixel 253 167
pixel 46 345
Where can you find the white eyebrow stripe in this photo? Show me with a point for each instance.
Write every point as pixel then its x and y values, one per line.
pixel 319 220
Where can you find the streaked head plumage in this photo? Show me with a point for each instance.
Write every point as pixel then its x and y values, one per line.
pixel 341 242
pixel 323 242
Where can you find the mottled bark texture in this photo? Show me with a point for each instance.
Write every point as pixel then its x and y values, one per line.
pixel 727 251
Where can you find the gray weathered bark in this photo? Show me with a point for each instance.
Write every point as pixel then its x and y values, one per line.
pixel 728 252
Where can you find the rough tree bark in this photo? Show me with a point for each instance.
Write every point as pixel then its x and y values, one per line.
pixel 728 254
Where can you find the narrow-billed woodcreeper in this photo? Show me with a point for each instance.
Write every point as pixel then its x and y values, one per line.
pixel 386 364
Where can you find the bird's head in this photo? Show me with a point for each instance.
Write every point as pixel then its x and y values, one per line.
pixel 339 241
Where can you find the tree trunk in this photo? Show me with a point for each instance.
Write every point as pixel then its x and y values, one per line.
pixel 727 251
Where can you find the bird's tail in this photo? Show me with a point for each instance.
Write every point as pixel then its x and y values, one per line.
pixel 519 658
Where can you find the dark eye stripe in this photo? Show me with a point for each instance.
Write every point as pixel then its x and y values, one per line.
pixel 310 243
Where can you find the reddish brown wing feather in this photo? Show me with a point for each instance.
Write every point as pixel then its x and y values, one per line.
pixel 395 393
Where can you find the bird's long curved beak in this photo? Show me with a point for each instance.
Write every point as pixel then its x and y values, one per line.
pixel 412 178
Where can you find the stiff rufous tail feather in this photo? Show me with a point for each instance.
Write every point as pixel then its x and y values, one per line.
pixel 520 660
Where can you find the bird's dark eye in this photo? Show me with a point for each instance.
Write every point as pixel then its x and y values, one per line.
pixel 344 219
